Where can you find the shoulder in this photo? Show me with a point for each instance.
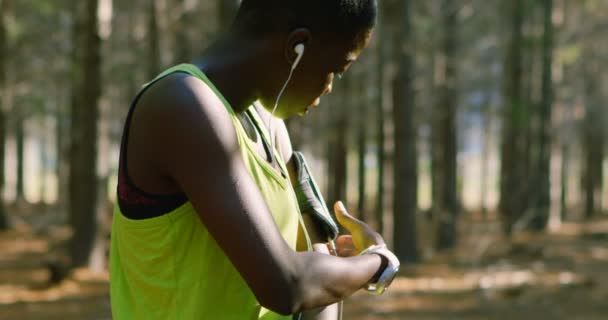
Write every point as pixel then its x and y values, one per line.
pixel 181 102
pixel 181 92
pixel 183 118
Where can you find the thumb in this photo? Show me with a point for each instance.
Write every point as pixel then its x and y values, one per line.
pixel 349 222
pixel 363 235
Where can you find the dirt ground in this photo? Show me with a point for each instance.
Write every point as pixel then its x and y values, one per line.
pixel 562 275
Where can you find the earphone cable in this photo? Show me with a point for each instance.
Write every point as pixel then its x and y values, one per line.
pixel 276 104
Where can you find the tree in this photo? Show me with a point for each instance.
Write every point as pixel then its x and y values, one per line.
pixel 227 12
pixel 380 114
pixel 86 88
pixel 338 142
pixel 512 144
pixel 19 119
pixel 542 202
pixel 181 40
pixel 154 63
pixel 593 138
pixel 445 199
pixel 405 177
pixel 3 64
pixel 361 143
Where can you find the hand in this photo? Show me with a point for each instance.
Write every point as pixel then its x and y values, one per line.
pixel 361 235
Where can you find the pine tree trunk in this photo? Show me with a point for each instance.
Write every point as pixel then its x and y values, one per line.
pixel 542 202
pixel 512 145
pixel 330 151
pixel 3 64
pixel 83 146
pixel 445 129
pixel 62 168
pixel 485 156
pixel 44 156
pixel 227 12
pixel 593 135
pixel 340 148
pixel 563 210
pixel 380 152
pixel 4 223
pixel 405 200
pixel 20 142
pixel 361 147
pixel 180 36
pixel 154 60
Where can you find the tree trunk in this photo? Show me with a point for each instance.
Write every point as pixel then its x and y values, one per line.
pixel 227 12
pixel 563 210
pixel 180 34
pixel 445 146
pixel 542 203
pixel 340 147
pixel 485 156
pixel 528 113
pixel 62 169
pixel 512 144
pixel 405 201
pixel 3 64
pixel 330 150
pixel 154 61
pixel 380 152
pixel 20 141
pixel 83 146
pixel 44 156
pixel 593 136
pixel 361 145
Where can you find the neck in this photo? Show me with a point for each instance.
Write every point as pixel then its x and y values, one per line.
pixel 228 63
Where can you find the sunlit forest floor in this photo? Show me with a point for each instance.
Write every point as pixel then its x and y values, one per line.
pixel 562 275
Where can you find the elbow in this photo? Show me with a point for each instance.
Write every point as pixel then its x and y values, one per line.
pixel 284 299
pixel 285 296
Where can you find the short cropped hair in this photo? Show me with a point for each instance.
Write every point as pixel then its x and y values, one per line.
pixel 332 18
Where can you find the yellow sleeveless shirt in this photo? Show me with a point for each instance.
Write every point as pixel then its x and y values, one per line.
pixel 170 267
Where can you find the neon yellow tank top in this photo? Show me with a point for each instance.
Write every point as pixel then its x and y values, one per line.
pixel 170 267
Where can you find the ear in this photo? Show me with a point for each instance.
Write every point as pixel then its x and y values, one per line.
pixel 297 36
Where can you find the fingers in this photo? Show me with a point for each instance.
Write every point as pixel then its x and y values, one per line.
pixel 346 252
pixel 345 246
pixel 345 241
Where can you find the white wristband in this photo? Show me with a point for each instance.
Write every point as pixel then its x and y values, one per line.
pixel 388 274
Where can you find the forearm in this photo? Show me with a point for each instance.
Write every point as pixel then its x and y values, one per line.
pixel 329 312
pixel 325 279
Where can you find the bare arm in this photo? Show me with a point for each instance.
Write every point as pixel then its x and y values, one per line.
pixel 198 149
pixel 283 143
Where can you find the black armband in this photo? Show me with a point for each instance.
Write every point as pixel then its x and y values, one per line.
pixel 310 198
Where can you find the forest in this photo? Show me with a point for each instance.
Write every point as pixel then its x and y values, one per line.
pixel 472 134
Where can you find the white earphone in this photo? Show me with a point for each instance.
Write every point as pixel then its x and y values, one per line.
pixel 299 49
